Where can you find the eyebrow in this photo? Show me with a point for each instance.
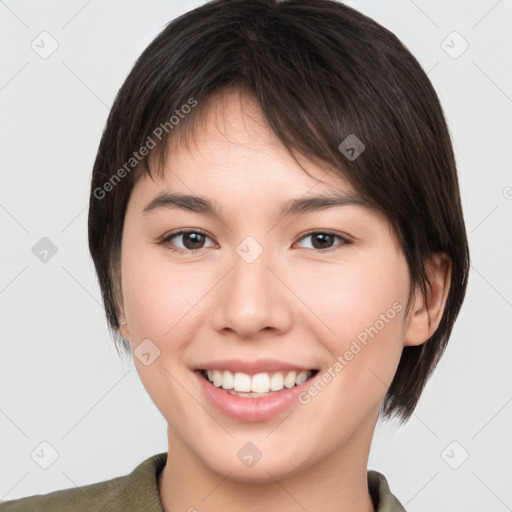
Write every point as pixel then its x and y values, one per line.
pixel 291 207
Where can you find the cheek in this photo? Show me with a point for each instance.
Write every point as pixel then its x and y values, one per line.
pixel 353 296
pixel 156 294
pixel 363 307
pixel 359 309
pixel 159 303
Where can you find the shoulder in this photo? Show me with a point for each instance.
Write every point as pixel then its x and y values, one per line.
pixel 80 499
pixel 135 491
pixel 383 499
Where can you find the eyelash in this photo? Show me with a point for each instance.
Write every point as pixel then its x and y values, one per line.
pixel 168 238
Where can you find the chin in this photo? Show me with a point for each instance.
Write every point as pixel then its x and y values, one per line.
pixel 265 470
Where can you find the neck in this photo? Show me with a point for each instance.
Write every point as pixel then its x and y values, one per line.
pixel 337 482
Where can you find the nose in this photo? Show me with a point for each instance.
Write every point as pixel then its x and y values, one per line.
pixel 253 298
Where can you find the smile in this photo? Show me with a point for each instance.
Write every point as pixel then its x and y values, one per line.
pixel 233 393
pixel 257 385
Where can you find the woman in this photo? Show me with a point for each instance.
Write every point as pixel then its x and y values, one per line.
pixel 276 226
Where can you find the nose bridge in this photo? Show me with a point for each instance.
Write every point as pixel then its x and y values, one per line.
pixel 250 280
pixel 252 298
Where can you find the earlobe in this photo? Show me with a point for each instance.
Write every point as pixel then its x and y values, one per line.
pixel 425 315
pixel 123 329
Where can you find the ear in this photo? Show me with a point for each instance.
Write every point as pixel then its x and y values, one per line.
pixel 425 315
pixel 123 329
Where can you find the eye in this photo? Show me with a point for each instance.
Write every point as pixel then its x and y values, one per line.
pixel 322 240
pixel 192 240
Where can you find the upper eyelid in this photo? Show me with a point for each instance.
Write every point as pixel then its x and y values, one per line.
pixel 167 237
pixel 345 239
pixel 324 231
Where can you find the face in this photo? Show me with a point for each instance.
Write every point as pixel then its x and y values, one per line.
pixel 321 289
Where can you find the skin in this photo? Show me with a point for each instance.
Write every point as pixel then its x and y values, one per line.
pixel 296 302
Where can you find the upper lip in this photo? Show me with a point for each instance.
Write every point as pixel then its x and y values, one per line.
pixel 253 367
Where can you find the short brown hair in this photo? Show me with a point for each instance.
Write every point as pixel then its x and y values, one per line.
pixel 320 71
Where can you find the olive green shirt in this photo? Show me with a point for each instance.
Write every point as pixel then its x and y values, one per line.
pixel 138 492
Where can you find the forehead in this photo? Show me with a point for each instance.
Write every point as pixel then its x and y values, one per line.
pixel 229 145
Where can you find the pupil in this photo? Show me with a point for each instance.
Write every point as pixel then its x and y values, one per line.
pixel 196 241
pixel 325 237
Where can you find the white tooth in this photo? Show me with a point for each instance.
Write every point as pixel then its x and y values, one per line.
pixel 289 380
pixel 217 378
pixel 301 378
pixel 242 382
pixel 227 380
pixel 260 383
pixel 276 382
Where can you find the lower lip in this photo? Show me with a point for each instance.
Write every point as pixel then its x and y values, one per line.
pixel 251 409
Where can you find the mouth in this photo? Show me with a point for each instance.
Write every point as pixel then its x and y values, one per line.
pixel 257 385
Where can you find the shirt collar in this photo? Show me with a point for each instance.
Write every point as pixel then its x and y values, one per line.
pixel 142 487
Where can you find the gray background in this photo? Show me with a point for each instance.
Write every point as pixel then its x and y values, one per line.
pixel 61 381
